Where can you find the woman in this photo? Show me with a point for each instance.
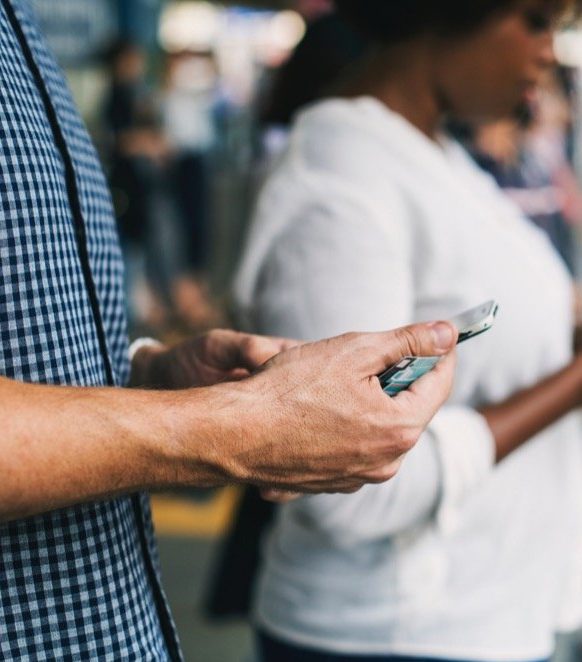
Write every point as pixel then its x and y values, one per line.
pixel 375 219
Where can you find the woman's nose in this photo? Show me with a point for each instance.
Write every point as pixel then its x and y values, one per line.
pixel 547 54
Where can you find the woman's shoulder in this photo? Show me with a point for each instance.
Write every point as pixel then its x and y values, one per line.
pixel 344 136
pixel 333 109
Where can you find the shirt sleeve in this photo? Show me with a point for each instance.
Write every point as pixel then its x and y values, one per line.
pixel 336 269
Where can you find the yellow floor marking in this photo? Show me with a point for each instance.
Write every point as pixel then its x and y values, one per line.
pixel 179 516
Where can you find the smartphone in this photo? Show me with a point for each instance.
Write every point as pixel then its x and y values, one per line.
pixel 471 323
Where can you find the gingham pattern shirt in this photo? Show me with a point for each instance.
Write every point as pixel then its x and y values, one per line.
pixel 80 583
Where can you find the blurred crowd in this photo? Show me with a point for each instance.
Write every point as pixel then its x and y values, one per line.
pixel 159 151
pixel 178 136
pixel 170 127
pixel 167 142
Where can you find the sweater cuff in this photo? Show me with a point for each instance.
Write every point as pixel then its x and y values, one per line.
pixel 466 451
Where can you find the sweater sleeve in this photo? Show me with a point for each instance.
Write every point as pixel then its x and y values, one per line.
pixel 337 268
pixel 449 461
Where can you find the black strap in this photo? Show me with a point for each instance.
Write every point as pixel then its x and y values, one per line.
pixel 81 240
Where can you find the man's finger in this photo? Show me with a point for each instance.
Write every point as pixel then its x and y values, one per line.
pixel 287 343
pixel 254 351
pixel 427 394
pixel 434 339
pixel 231 350
pixel 280 496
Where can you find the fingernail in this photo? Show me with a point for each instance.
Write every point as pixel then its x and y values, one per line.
pixel 444 335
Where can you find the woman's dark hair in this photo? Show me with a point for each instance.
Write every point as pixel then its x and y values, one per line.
pixel 398 20
pixel 327 50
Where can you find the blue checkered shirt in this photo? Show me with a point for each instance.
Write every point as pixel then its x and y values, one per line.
pixel 80 583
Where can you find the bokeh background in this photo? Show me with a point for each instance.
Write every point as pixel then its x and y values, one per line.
pixel 189 104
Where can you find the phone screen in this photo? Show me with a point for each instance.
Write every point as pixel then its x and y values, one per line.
pixel 475 321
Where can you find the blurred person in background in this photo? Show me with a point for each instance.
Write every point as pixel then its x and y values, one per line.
pixel 528 157
pixel 159 154
pixel 138 153
pixel 375 218
pixel 190 97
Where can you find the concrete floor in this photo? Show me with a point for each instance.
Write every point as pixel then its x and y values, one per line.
pixel 185 567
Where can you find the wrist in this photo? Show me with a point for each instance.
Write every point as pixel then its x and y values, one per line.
pixel 206 435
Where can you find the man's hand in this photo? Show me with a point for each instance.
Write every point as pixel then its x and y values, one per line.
pixel 214 357
pixel 315 418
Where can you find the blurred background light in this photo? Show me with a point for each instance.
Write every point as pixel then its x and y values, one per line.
pixel 189 26
pixel 279 36
pixel 286 29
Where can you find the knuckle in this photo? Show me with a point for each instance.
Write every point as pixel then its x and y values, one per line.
pixel 399 437
pixel 403 440
pixel 251 346
pixel 410 437
pixel 248 341
pixel 215 335
pixel 352 488
pixel 409 340
pixel 386 473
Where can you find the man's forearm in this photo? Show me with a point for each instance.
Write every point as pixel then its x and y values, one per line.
pixel 314 419
pixel 63 445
